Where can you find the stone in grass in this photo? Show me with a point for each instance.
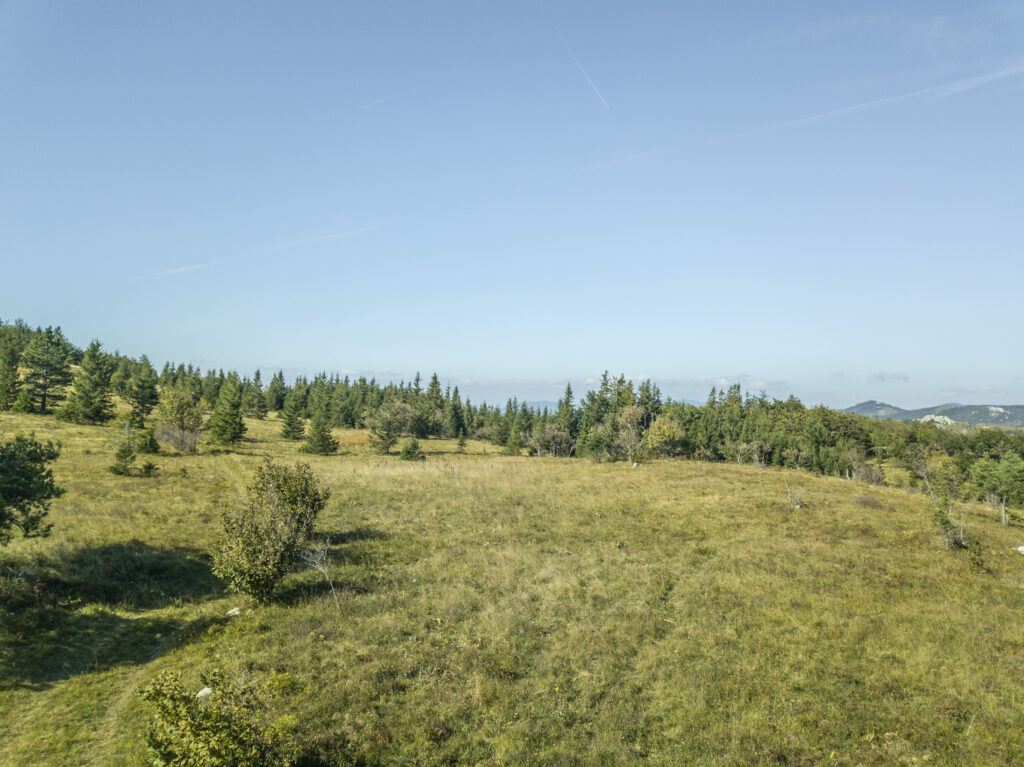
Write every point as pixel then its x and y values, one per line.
pixel 234 611
pixel 1020 549
pixel 204 692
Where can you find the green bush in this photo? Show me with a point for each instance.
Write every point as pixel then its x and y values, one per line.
pixel 224 725
pixel 266 535
pixel 411 451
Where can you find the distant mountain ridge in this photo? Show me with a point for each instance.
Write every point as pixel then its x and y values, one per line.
pixel 976 415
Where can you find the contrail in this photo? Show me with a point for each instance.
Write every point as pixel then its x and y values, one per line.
pixel 584 72
pixel 346 235
pixel 939 92
pixel 381 101
pixel 183 269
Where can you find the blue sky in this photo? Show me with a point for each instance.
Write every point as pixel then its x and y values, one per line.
pixel 814 198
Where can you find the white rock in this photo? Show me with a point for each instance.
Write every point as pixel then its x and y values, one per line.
pixel 1020 549
pixel 234 611
pixel 635 464
pixel 204 692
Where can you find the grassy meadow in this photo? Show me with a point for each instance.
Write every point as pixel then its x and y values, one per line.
pixel 503 611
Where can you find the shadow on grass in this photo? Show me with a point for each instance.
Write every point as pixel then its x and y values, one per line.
pixel 45 645
pixel 58 620
pixel 352 536
pixel 133 575
pixel 344 548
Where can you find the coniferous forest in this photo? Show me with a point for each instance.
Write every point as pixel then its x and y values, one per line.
pixel 618 421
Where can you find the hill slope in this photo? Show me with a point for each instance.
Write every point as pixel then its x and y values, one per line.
pixel 499 610
pixel 1011 416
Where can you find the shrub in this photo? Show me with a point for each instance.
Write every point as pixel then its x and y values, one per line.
pixel 225 725
pixel 149 469
pixel 266 535
pixel 411 451
pixel 461 444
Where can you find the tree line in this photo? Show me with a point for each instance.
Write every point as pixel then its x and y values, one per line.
pixel 616 421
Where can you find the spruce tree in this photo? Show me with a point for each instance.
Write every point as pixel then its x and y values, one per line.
pixel 142 392
pixel 226 425
pixel 122 378
pixel 254 403
pixel 10 382
pixel 320 441
pixel 49 369
pixel 89 402
pixel 293 426
pixel 276 392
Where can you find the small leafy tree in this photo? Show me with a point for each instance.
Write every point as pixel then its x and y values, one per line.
pixel 180 418
pixel 1000 481
pixel 225 724
pixel 26 487
pixel 266 535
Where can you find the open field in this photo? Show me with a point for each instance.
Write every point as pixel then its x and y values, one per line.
pixel 495 610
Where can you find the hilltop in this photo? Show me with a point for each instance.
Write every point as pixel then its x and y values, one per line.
pixel 1006 416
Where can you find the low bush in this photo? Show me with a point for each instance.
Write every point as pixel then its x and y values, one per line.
pixel 223 725
pixel 266 535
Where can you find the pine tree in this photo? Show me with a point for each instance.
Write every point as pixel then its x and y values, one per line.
pixel 276 392
pixel 567 417
pixel 454 418
pixel 254 401
pixel 294 427
pixel 142 392
pixel 89 402
pixel 319 441
pixel 122 378
pixel 49 369
pixel 10 382
pixel 226 425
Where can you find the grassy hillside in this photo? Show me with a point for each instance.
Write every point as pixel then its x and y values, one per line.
pixel 497 610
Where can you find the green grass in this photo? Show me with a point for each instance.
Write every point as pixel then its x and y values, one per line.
pixel 498 610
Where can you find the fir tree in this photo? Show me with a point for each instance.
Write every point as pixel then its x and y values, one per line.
pixel 254 401
pixel 567 417
pixel 293 426
pixel 89 402
pixel 320 441
pixel 276 392
pixel 226 425
pixel 411 451
pixel 10 382
pixel 49 369
pixel 122 378
pixel 142 392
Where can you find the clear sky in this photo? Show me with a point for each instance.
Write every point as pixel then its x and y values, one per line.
pixel 817 198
